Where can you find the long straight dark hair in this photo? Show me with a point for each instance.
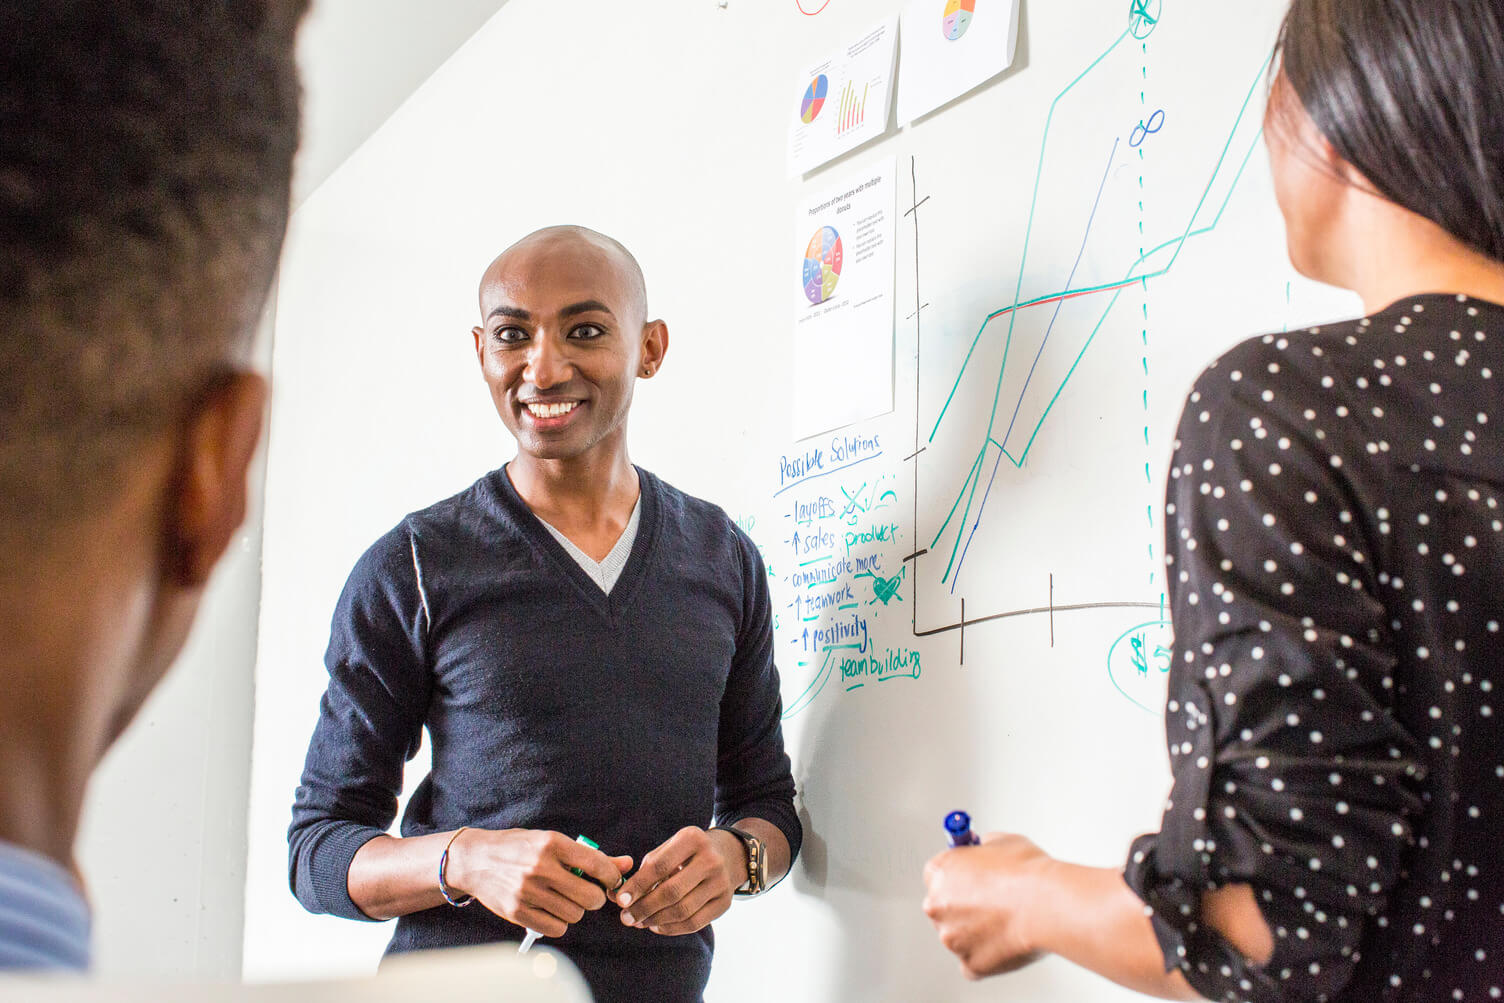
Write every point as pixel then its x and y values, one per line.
pixel 1411 94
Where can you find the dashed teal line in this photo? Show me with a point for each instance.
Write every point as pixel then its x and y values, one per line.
pixel 969 486
pixel 1082 290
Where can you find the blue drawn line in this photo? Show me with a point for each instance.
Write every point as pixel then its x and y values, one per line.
pixel 970 484
pixel 825 473
pixel 1060 304
pixel 987 494
pixel 1043 342
pixel 1028 230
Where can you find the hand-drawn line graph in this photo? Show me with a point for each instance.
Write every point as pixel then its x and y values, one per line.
pixel 1144 17
pixel 1143 269
pixel 1147 264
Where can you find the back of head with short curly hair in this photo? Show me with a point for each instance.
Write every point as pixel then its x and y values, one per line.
pixel 145 162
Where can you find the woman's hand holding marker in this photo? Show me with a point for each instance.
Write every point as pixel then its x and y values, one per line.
pixel 979 895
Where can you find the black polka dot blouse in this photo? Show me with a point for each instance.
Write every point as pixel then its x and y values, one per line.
pixel 1335 542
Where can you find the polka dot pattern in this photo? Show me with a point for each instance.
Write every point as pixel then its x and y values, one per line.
pixel 1335 553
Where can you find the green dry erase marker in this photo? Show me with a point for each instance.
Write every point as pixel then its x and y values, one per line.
pixel 586 840
pixel 533 935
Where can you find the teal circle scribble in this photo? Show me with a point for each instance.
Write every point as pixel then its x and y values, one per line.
pixel 1143 17
pixel 1112 650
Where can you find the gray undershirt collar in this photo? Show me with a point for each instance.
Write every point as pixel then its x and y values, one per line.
pixel 605 572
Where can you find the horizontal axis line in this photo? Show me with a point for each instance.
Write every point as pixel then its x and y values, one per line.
pixel 964 623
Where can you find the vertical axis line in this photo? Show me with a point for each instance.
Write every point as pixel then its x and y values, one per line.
pixel 918 345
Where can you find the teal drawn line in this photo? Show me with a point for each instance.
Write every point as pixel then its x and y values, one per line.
pixel 1130 277
pixel 1034 203
pixel 1028 230
pixel 1030 444
pixel 1113 679
pixel 975 467
pixel 822 676
pixel 968 487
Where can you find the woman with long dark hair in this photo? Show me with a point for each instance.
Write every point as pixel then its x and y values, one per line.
pixel 1335 549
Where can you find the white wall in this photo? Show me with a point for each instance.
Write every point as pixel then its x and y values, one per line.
pixel 360 59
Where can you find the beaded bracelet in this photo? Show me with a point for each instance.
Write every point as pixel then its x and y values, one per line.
pixel 444 862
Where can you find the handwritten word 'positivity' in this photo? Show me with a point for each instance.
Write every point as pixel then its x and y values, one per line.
pixel 850 631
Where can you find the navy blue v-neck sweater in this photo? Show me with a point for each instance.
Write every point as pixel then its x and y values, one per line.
pixel 549 705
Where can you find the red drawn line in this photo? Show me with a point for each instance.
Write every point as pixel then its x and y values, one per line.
pixel 811 13
pixel 1066 296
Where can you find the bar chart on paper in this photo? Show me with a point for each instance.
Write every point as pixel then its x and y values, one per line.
pixel 853 109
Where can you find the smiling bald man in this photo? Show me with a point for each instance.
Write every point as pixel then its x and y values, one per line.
pixel 591 652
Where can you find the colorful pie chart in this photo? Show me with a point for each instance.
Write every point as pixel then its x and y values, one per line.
pixel 958 14
pixel 814 99
pixel 822 265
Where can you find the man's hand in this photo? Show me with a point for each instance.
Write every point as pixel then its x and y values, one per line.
pixel 684 884
pixel 980 897
pixel 523 875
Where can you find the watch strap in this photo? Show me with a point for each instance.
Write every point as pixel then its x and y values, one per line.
pixel 757 870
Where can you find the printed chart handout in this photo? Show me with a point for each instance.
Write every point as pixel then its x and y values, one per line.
pixel 952 46
pixel 841 272
pixel 844 100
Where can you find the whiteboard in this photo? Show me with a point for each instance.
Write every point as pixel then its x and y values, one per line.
pixel 1076 239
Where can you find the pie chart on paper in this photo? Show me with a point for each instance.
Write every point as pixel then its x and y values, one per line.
pixel 822 265
pixel 958 14
pixel 814 99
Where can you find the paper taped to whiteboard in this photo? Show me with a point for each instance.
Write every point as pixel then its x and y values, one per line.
pixel 843 101
pixel 952 46
pixel 841 273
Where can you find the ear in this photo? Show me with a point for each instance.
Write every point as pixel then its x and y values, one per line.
pixel 654 347
pixel 479 335
pixel 209 498
pixel 1330 160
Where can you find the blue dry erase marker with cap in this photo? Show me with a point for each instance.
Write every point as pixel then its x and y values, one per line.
pixel 958 830
pixel 533 935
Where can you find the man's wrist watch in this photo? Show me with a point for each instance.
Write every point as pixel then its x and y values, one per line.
pixel 757 865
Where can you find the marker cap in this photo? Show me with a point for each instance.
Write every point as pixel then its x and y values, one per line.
pixel 958 823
